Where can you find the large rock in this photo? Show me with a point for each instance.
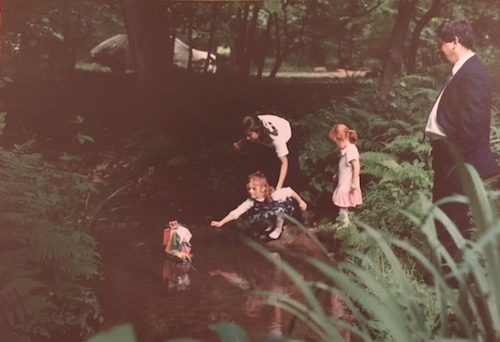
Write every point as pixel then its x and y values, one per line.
pixel 114 53
pixel 297 240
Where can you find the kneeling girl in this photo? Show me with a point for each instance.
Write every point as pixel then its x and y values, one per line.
pixel 264 208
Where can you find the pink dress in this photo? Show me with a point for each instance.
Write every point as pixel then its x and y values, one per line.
pixel 343 197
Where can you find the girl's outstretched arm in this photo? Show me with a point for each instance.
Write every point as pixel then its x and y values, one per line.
pixel 355 175
pixel 238 146
pixel 233 215
pixel 283 172
pixel 217 224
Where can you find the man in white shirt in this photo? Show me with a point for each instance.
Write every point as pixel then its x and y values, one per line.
pixel 461 118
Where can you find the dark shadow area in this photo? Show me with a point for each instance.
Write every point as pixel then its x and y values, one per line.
pixel 183 129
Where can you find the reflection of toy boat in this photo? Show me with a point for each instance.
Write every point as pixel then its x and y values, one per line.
pixel 176 275
pixel 176 242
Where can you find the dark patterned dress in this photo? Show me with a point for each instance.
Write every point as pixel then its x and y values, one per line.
pixel 260 216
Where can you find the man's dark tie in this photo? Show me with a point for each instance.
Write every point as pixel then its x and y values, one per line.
pixel 448 80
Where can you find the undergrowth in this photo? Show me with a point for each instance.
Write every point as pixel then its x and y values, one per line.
pixel 46 257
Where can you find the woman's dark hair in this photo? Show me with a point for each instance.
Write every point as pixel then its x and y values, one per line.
pixel 455 28
pixel 252 123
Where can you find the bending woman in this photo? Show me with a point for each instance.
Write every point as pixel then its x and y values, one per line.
pixel 275 132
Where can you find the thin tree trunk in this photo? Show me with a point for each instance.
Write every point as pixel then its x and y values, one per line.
pixel 190 36
pixel 278 62
pixel 241 40
pixel 277 31
pixel 1 43
pixel 250 42
pixel 261 57
pixel 213 26
pixel 394 59
pixel 433 11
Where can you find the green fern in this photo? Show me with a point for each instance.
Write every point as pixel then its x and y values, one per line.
pixel 45 256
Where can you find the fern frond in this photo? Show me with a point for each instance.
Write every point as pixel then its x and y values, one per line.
pixel 43 251
pixel 383 166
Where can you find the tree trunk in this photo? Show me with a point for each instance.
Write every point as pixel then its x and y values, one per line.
pixel 148 25
pixel 241 40
pixel 261 55
pixel 213 26
pixel 190 36
pixel 1 44
pixel 277 30
pixel 251 41
pixel 394 58
pixel 130 13
pixel 278 62
pixel 246 42
pixel 433 11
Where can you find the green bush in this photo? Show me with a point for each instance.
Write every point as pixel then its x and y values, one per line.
pixel 394 160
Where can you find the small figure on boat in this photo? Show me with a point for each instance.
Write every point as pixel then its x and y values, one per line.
pixel 263 212
pixel 176 240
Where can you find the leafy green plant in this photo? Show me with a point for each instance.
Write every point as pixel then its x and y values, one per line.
pixel 122 333
pixel 228 332
pixel 398 183
pixel 46 259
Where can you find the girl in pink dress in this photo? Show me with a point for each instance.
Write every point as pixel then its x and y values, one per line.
pixel 347 194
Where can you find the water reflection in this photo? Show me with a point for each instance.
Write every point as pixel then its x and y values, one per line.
pixel 256 305
pixel 176 275
pixel 227 281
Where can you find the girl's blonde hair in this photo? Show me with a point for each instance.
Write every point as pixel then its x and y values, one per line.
pixel 260 180
pixel 342 132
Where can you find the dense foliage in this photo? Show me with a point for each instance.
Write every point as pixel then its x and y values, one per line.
pixel 394 159
pixel 54 36
pixel 46 257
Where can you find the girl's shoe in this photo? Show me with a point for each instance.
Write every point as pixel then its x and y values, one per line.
pixel 276 234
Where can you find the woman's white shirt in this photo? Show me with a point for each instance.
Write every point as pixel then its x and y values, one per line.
pixel 275 123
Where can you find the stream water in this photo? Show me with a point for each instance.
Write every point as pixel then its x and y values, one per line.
pixel 165 300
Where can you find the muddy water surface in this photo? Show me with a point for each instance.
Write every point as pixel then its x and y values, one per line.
pixel 166 300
